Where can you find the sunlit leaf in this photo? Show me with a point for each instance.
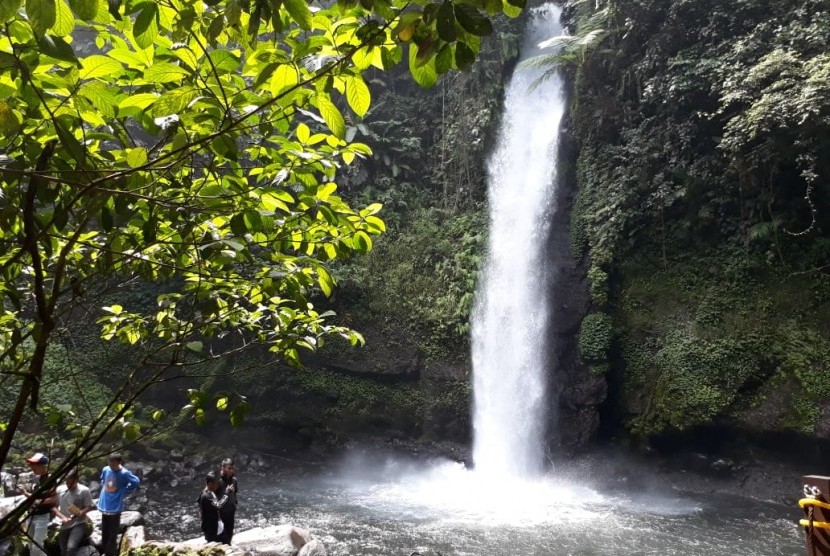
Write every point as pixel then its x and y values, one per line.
pixel 64 19
pixel 424 74
pixel 284 77
pixel 357 93
pixel 165 72
pixel 299 12
pixel 332 116
pixel 146 27
pixel 99 66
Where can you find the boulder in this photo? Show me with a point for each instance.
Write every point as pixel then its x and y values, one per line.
pixel 187 547
pixel 133 537
pixel 276 540
pixel 313 548
pixel 7 504
pixel 128 519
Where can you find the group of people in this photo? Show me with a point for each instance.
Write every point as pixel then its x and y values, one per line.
pixel 217 504
pixel 72 502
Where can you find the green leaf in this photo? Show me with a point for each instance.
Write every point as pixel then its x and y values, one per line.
pixel 332 116
pixel 146 27
pixel 510 10
pixel 233 11
pixel 358 95
pixel 445 22
pixel 174 102
pixel 216 27
pixel 136 157
pixel 57 48
pixel 101 97
pixel 84 9
pixel 325 281
pixel 64 19
pixel 423 73
pixel 284 78
pixel 8 9
pixel 238 225
pixel 237 418
pixel 224 145
pixel 222 403
pixel 444 59
pixel 140 101
pixel 362 242
pixel 41 14
pixel 70 143
pixel 99 66
pixel 9 123
pixel 303 133
pixel 299 12
pixel 165 72
pixel 472 20
pixel 223 61
pixel 464 56
pixel 195 346
pixel 132 431
pixel 384 9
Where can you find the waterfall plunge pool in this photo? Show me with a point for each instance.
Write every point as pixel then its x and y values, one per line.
pixel 395 506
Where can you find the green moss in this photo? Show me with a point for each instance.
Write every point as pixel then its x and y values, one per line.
pixel 697 345
pixel 595 335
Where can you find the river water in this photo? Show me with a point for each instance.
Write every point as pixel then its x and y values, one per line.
pixel 395 506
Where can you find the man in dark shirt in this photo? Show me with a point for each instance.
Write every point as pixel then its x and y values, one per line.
pixel 209 507
pixel 228 488
pixel 41 511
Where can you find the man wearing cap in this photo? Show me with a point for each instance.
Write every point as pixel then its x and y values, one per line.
pixel 41 511
pixel 117 482
pixel 209 507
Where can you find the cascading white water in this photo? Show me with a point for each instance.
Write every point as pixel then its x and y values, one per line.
pixel 511 314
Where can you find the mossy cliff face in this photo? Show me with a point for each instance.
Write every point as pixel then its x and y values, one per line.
pixel 703 131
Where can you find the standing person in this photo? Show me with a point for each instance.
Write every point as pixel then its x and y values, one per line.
pixel 116 483
pixel 74 503
pixel 210 506
pixel 41 511
pixel 229 487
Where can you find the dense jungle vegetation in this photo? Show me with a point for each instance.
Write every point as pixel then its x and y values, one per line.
pixel 703 129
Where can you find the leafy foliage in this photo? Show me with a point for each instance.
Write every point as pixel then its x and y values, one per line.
pixel 195 146
pixel 427 278
pixel 595 336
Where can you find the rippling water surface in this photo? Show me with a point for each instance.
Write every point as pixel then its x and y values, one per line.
pixel 398 508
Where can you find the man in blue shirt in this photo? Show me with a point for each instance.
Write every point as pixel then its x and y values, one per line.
pixel 116 483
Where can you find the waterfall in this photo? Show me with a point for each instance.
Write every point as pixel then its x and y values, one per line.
pixel 511 316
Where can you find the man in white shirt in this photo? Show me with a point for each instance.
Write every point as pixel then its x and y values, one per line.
pixel 74 503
